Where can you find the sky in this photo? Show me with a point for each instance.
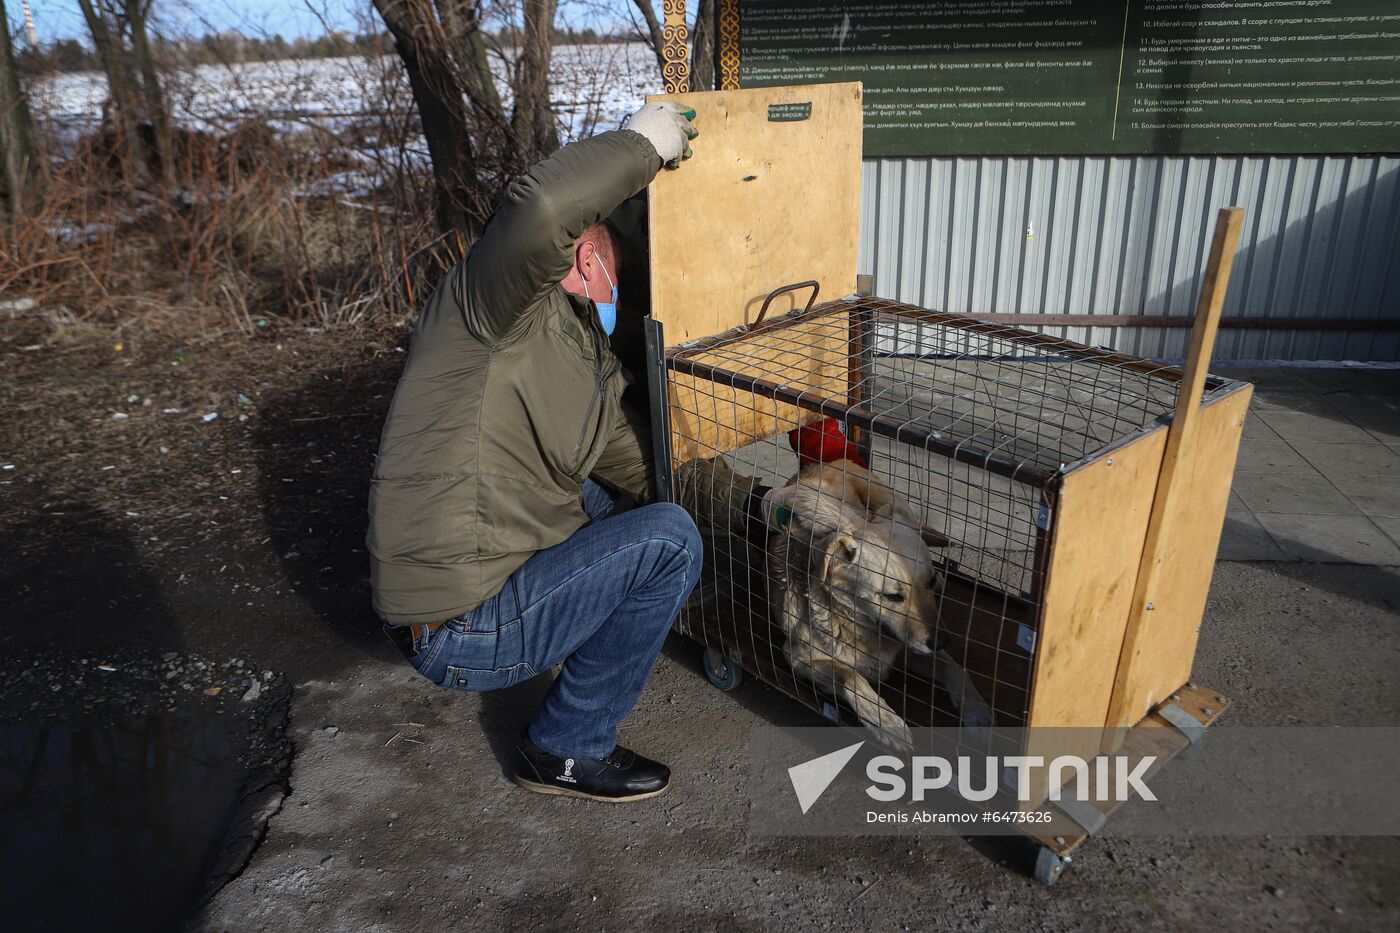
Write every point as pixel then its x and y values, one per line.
pixel 57 19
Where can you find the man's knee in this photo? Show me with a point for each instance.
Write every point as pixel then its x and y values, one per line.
pixel 671 524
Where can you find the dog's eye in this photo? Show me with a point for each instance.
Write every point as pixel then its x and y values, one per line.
pixel 894 597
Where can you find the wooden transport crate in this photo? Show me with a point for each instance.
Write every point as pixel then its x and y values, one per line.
pixel 1081 492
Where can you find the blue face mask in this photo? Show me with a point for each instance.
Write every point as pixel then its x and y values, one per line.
pixel 607 310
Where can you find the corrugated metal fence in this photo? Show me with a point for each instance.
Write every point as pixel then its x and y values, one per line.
pixel 1129 235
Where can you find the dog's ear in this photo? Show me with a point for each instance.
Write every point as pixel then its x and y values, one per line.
pixel 840 545
pixel 876 497
pixel 933 538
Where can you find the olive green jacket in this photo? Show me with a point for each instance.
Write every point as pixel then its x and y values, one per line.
pixel 509 400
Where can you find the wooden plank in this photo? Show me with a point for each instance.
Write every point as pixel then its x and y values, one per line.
pixel 1155 736
pixel 1160 643
pixel 765 201
pixel 1096 539
pixel 1188 510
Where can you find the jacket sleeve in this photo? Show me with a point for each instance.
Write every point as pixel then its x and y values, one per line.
pixel 626 461
pixel 528 245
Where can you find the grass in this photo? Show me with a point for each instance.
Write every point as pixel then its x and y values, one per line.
pixel 249 234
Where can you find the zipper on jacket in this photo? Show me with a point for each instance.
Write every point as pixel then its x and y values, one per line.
pixel 599 394
pixel 587 423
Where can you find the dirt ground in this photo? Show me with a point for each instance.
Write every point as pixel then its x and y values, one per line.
pixel 241 536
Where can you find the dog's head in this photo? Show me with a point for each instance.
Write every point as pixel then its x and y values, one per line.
pixel 877 567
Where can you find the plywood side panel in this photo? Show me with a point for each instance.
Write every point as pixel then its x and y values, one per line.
pixel 1096 546
pixel 770 198
pixel 710 417
pixel 1160 643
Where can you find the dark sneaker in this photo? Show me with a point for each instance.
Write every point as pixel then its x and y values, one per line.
pixel 622 776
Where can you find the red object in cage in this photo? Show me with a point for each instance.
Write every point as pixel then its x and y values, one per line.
pixel 823 442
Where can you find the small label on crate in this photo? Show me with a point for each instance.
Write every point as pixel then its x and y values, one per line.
pixel 1025 637
pixel 789 113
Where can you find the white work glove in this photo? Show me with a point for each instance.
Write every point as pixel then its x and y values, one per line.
pixel 666 125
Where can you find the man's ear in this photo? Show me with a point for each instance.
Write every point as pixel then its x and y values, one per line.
pixel 583 253
pixel 841 545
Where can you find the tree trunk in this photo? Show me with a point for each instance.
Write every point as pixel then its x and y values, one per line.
pixel 533 120
pixel 461 24
pixel 655 35
pixel 136 11
pixel 441 109
pixel 702 59
pixel 118 86
pixel 16 143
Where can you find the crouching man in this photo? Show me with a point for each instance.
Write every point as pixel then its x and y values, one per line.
pixel 493 551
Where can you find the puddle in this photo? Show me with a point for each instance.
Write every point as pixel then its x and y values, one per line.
pixel 114 828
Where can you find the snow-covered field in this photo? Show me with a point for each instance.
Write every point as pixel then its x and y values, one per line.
pixel 592 87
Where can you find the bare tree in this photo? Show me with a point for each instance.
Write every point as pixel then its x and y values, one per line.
pixel 419 40
pixel 533 120
pixel 461 20
pixel 16 143
pixel 702 58
pixel 137 13
pixel 466 40
pixel 654 36
pixel 121 86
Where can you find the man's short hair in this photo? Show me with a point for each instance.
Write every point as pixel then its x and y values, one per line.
pixel 604 240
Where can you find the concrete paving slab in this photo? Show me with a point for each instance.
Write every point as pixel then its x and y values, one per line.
pixel 1261 455
pixel 1255 426
pixel 1294 493
pixel 1376 496
pixel 1295 400
pixel 1391 526
pixel 1345 539
pixel 1315 427
pixel 1243 538
pixel 1376 395
pixel 1384 426
pixel 1327 378
pixel 1347 459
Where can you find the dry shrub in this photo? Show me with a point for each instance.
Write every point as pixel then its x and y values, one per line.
pixel 248 232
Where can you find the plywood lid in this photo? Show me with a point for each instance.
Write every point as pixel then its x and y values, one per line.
pixel 771 197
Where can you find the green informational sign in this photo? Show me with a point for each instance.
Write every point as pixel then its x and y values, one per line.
pixel 1080 77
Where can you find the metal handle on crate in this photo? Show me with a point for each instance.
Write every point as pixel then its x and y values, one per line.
pixel 810 283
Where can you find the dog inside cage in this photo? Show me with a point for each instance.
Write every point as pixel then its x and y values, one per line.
pixel 876 485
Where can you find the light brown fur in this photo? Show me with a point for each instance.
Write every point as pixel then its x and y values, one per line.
pixel 854 585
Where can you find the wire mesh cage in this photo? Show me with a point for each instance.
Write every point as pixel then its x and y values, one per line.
pixel 877 485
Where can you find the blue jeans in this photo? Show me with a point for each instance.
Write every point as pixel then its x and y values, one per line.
pixel 601 602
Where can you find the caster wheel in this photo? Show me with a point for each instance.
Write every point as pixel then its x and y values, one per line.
pixel 1049 866
pixel 722 672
